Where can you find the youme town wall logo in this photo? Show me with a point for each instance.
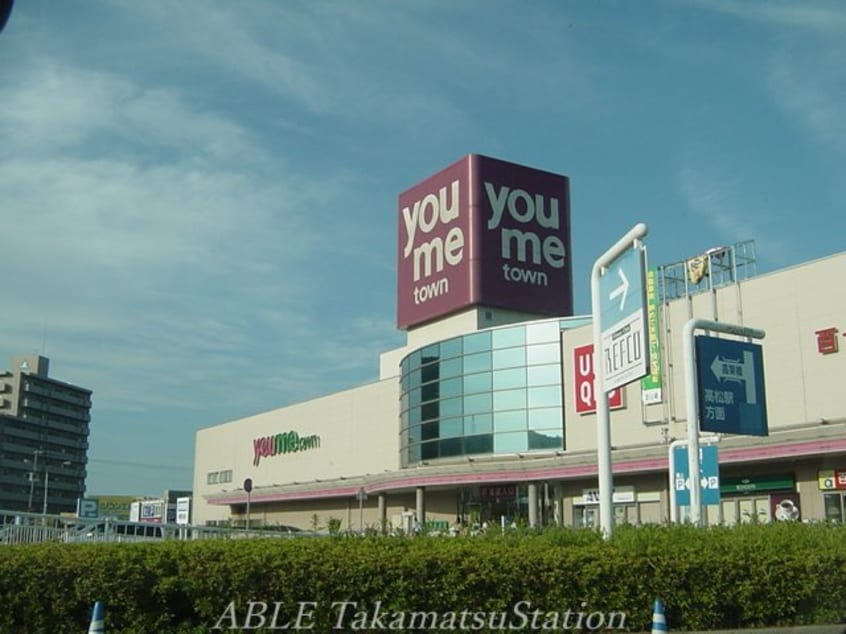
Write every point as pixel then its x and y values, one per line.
pixel 278 444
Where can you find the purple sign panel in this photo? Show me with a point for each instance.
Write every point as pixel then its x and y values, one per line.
pixel 484 232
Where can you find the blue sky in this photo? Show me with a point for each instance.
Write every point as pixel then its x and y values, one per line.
pixel 198 199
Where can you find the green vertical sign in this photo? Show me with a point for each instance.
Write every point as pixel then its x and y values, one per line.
pixel 651 383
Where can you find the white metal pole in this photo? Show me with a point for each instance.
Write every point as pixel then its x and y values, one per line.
pixel 603 422
pixel 692 390
pixel 46 487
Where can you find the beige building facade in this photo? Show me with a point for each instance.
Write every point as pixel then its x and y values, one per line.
pixel 485 417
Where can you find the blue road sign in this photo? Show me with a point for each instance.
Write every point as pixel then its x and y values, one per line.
pixel 622 318
pixel 730 374
pixel 709 470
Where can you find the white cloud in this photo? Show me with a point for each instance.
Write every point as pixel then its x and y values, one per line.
pixel 821 16
pixel 724 204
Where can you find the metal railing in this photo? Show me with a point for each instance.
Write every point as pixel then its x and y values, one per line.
pixel 32 528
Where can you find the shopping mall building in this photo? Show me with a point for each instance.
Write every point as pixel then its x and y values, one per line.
pixel 488 411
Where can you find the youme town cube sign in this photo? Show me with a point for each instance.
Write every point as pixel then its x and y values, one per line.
pixel 278 444
pixel 484 232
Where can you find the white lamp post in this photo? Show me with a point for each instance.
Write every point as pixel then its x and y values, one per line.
pixel 32 473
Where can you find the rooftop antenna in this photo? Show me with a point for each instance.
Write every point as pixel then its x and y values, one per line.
pixel 44 339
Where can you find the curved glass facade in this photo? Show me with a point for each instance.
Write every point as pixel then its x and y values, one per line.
pixel 488 392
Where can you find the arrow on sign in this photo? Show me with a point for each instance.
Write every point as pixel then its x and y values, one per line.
pixel 738 371
pixel 622 289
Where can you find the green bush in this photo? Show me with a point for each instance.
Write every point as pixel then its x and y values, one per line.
pixel 745 576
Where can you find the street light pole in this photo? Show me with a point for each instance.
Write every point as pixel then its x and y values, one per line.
pixel 46 487
pixel 66 463
pixel 32 473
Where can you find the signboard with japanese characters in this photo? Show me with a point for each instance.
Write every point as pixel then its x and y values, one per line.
pixel 730 375
pixel 651 384
pixel 827 342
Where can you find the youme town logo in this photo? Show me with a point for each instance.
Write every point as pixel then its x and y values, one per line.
pixel 278 444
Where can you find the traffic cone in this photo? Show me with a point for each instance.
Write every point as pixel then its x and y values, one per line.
pixel 98 625
pixel 659 622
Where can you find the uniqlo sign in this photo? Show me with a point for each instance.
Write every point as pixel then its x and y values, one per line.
pixel 583 364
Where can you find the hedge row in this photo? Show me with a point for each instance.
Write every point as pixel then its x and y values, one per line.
pixel 717 578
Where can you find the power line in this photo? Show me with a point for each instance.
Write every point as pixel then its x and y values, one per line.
pixel 143 465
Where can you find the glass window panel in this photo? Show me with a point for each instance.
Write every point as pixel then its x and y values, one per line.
pixel 508 337
pixel 430 392
pixel 451 407
pixel 414 379
pixel 509 358
pixel 414 397
pixel 428 431
pixel 452 427
pixel 430 411
pixel 414 416
pixel 544 374
pixel 478 444
pixel 478 342
pixel 542 333
pixel 429 450
pixel 510 421
pixel 429 373
pixel 543 353
pixel 548 418
pixel 451 367
pixel 451 447
pixel 414 360
pixel 477 382
pixel 505 379
pixel 451 387
pixel 429 354
pixel 414 453
pixel 451 348
pixel 404 402
pixel 479 362
pixel 414 434
pixel 404 366
pixel 545 440
pixel 512 442
pixel 478 424
pixel 509 399
pixel 547 396
pixel 404 381
pixel 477 403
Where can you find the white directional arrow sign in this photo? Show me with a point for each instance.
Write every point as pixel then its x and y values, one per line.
pixel 622 289
pixel 625 347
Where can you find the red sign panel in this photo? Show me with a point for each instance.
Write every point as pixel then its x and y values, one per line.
pixel 826 340
pixel 584 394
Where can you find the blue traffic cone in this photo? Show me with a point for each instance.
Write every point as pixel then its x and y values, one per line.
pixel 659 622
pixel 98 625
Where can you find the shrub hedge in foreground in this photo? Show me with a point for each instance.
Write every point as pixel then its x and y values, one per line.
pixel 745 576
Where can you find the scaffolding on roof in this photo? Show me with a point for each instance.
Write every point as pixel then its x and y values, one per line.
pixel 716 267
